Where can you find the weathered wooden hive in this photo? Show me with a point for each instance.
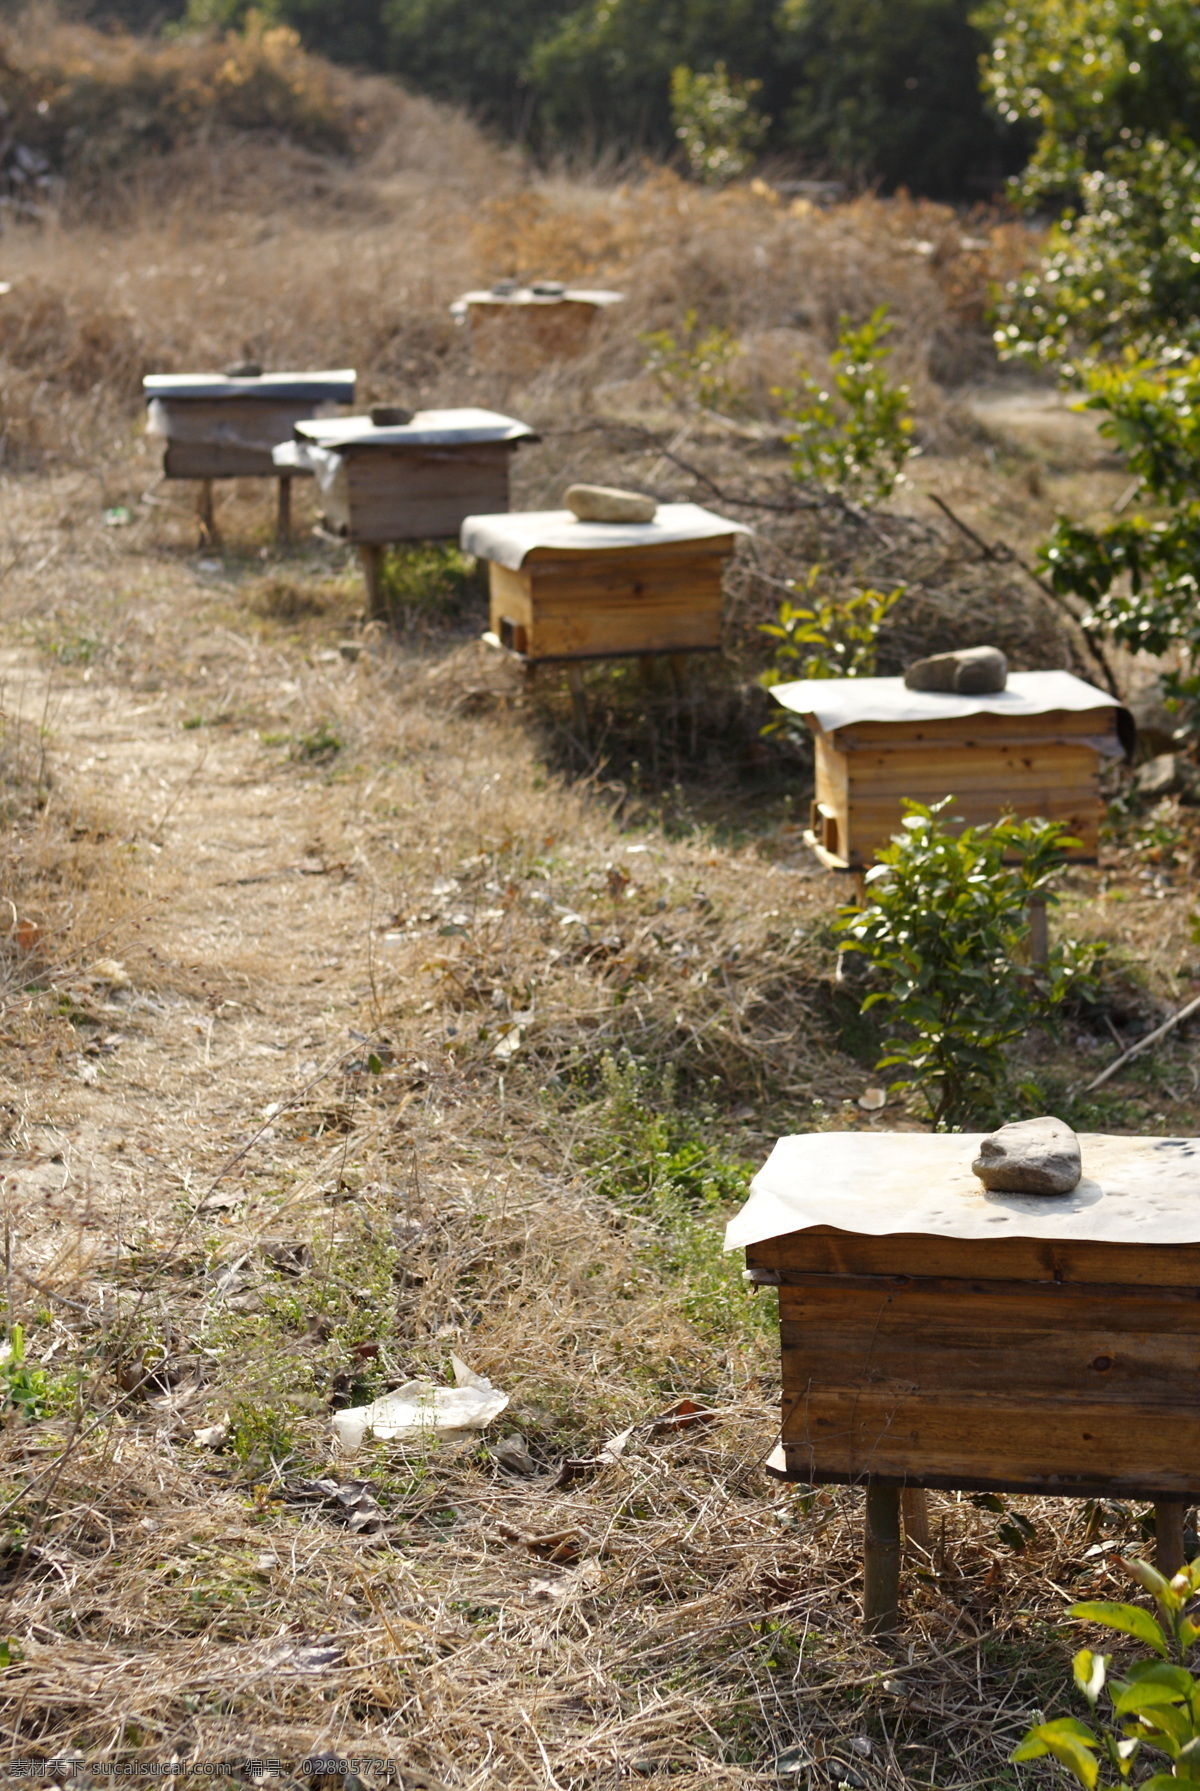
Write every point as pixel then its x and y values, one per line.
pixel 562 589
pixel 412 481
pixel 1035 748
pixel 936 1335
pixel 545 321
pixel 222 426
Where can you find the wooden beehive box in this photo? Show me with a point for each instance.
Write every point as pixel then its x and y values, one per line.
pixel 561 589
pixel 523 326
pixel 414 481
pixel 934 1335
pixel 1035 748
pixel 215 426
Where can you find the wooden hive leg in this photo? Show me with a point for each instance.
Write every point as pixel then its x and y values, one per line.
pixel 283 516
pixel 881 1559
pixel 371 555
pixel 1168 1535
pixel 914 1508
pixel 578 703
pixel 208 519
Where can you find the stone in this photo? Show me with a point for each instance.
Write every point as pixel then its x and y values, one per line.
pixel 244 370
pixel 605 503
pixel 970 671
pixel 1161 776
pixel 390 416
pixel 1031 1156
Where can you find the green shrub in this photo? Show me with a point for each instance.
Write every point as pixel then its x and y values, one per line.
pixel 1156 1702
pixel 429 578
pixel 1141 577
pixel 692 368
pixel 832 635
pixel 857 442
pixel 717 122
pixel 946 933
pixel 1113 88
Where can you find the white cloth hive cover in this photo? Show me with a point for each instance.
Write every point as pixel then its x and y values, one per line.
pixel 522 295
pixel 1133 1190
pixel 331 387
pixel 840 702
pixel 428 428
pixel 508 538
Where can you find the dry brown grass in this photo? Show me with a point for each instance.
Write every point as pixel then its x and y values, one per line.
pixel 278 1163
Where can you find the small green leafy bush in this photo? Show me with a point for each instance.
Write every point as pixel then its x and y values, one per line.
pixel 1156 1702
pixel 692 368
pixel 1141 576
pixel 717 122
pixel 832 634
pixel 25 1386
pixel 855 440
pixel 429 578
pixel 946 932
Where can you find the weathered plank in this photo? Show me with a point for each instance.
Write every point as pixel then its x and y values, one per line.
pixel 824 1250
pixel 395 493
pixel 852 1432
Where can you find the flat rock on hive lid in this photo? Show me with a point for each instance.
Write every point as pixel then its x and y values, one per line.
pixel 1031 1156
pixel 605 503
pixel 971 671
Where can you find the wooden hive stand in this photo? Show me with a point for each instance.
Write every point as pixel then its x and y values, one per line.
pixel 937 1336
pixel 1035 748
pixel 227 426
pixel 520 328
pixel 382 483
pixel 563 592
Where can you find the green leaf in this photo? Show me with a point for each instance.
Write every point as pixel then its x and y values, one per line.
pixel 1128 1618
pixel 1070 1742
pixel 375 1064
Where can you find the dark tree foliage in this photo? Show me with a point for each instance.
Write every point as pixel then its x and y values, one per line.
pixel 887 91
pixel 877 92
pixel 602 76
pixel 473 53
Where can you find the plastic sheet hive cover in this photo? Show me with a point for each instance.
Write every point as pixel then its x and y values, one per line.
pixel 1133 1190
pixel 426 428
pixel 332 386
pixel 840 702
pixel 508 538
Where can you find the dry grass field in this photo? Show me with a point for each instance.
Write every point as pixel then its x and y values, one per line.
pixel 357 1012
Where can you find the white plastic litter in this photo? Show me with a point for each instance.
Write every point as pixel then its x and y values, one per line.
pixel 421 1409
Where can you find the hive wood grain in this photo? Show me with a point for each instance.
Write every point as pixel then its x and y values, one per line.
pixel 1046 766
pixel 392 493
pixel 1007 1364
pixel 608 603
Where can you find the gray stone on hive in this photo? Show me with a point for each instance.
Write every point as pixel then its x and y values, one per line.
pixel 390 416
pixel 1031 1156
pixel 605 503
pixel 970 671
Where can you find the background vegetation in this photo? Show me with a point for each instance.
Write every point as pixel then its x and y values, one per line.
pixel 855 89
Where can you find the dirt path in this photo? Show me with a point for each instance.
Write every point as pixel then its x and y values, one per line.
pixel 251 908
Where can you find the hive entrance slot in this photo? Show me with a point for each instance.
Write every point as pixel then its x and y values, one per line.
pixel 825 826
pixel 512 635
